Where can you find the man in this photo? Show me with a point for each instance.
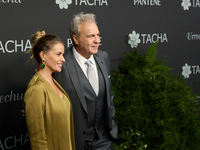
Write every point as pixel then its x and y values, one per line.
pixel 92 101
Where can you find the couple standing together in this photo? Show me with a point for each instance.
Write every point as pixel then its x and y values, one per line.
pixel 75 110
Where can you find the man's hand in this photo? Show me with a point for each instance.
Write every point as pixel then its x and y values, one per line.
pixel 23 112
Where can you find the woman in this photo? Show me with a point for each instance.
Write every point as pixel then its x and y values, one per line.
pixel 47 106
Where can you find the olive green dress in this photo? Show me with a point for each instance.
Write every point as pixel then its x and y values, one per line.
pixel 49 118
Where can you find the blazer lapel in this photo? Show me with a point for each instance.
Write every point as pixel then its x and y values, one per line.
pixel 103 69
pixel 73 73
pixel 102 66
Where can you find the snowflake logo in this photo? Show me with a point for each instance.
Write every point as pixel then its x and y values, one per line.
pixel 186 71
pixel 186 4
pixel 134 39
pixel 63 3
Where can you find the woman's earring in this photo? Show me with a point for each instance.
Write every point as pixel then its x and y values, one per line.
pixel 43 65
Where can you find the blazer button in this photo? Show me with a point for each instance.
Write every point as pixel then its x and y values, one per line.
pixel 83 132
pixel 86 116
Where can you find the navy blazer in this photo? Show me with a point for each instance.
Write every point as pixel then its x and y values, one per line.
pixel 70 82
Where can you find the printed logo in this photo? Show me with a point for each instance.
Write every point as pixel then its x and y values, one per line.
pixel 12 142
pixel 147 2
pixel 134 38
pixel 65 3
pixel 192 36
pixel 13 46
pixel 186 4
pixel 11 1
pixel 188 70
pixel 11 97
pixel 95 3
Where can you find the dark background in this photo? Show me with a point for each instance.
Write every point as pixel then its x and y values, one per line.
pixel 116 19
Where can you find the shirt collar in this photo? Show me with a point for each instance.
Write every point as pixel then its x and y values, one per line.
pixel 82 59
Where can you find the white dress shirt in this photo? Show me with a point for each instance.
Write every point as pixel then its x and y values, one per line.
pixel 81 61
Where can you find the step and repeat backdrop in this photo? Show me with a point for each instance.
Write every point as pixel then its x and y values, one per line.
pixel 174 23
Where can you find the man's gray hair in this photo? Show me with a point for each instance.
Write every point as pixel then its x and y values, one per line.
pixel 78 19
